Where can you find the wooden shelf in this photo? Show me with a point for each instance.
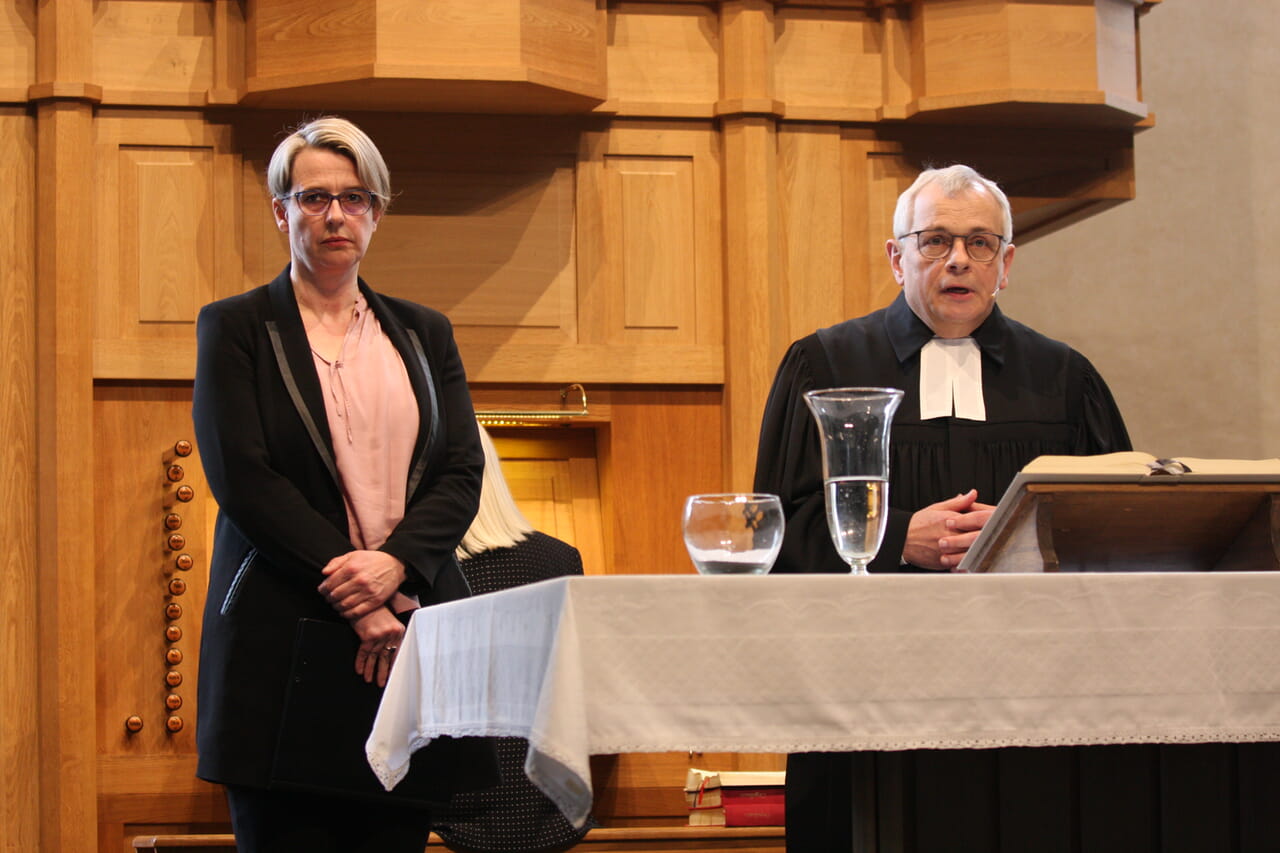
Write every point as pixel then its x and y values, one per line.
pixel 647 839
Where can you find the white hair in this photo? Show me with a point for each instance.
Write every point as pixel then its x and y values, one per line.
pixel 499 522
pixel 954 180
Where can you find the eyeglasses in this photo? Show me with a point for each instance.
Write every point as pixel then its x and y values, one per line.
pixel 317 202
pixel 935 244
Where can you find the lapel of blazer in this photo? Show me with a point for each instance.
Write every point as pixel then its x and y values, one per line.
pixel 297 368
pixel 414 356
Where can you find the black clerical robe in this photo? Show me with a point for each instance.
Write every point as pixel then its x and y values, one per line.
pixel 1041 397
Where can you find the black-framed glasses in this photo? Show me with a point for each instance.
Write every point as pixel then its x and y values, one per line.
pixel 935 244
pixel 317 202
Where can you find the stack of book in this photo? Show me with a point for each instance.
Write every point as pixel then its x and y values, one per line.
pixel 735 798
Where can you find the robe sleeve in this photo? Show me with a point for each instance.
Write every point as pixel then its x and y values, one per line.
pixel 789 465
pixel 1101 428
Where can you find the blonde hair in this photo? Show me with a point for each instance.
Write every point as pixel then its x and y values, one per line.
pixel 499 522
pixel 341 137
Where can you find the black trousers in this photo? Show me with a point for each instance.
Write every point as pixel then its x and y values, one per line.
pixel 288 822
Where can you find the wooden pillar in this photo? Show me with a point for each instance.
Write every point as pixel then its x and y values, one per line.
pixel 19 756
pixel 65 590
pixel 755 315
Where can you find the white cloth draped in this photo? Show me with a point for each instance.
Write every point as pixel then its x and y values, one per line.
pixel 635 663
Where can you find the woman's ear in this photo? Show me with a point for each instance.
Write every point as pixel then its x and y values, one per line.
pixel 281 215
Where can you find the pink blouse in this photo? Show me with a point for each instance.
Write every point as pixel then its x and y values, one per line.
pixel 373 420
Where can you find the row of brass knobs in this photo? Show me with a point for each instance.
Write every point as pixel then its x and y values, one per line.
pixel 177 586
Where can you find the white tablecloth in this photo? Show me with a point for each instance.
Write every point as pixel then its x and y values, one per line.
pixel 654 663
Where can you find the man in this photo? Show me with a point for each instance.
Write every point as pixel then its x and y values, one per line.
pixel 984 395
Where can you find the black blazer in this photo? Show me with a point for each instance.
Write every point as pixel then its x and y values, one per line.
pixel 264 440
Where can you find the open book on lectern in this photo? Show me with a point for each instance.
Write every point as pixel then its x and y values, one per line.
pixel 1134 512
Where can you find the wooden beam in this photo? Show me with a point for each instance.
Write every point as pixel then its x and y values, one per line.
pixel 64 471
pixel 19 755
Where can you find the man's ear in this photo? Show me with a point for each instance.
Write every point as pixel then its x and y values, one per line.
pixel 894 251
pixel 1004 273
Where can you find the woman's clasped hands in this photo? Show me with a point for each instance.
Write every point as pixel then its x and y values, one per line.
pixel 358 585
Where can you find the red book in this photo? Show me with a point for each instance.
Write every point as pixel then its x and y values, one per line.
pixel 749 813
pixel 747 806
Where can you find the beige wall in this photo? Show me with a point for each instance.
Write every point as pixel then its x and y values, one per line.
pixel 1175 296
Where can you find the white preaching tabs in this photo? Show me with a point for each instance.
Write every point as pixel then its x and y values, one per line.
pixel 951 379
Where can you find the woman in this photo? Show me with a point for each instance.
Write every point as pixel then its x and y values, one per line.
pixel 501 550
pixel 339 440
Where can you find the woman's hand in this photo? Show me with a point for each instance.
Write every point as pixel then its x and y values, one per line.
pixel 359 582
pixel 380 635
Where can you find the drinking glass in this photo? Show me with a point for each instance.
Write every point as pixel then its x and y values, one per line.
pixel 854 426
pixel 733 534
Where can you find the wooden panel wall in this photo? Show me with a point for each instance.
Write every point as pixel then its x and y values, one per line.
pixel 650 198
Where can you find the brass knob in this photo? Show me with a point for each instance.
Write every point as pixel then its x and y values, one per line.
pixel 173 678
pixel 172 521
pixel 184 562
pixel 173 610
pixel 173 701
pixel 175 473
pixel 182 448
pixel 173 657
pixel 177 586
pixel 185 493
pixel 176 542
pixel 173 724
pixel 173 633
pixel 133 724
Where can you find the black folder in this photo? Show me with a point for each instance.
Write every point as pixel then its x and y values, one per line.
pixel 328 714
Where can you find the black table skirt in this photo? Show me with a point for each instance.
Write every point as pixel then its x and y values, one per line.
pixel 1132 798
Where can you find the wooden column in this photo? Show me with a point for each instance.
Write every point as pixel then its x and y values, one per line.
pixel 64 424
pixel 19 757
pixel 754 312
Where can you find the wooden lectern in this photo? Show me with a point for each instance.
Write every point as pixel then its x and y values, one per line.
pixel 1146 522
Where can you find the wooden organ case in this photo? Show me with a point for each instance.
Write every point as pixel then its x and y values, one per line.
pixel 650 199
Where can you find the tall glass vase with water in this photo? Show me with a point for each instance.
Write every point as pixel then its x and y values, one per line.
pixel 854 426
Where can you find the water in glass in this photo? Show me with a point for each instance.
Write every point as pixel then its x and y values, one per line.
pixel 857 511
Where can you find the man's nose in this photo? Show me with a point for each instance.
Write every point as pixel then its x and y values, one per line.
pixel 959 255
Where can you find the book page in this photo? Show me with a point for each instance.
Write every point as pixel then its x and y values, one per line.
pixel 1135 462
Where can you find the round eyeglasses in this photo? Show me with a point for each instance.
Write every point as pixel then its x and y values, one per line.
pixel 935 244
pixel 317 202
